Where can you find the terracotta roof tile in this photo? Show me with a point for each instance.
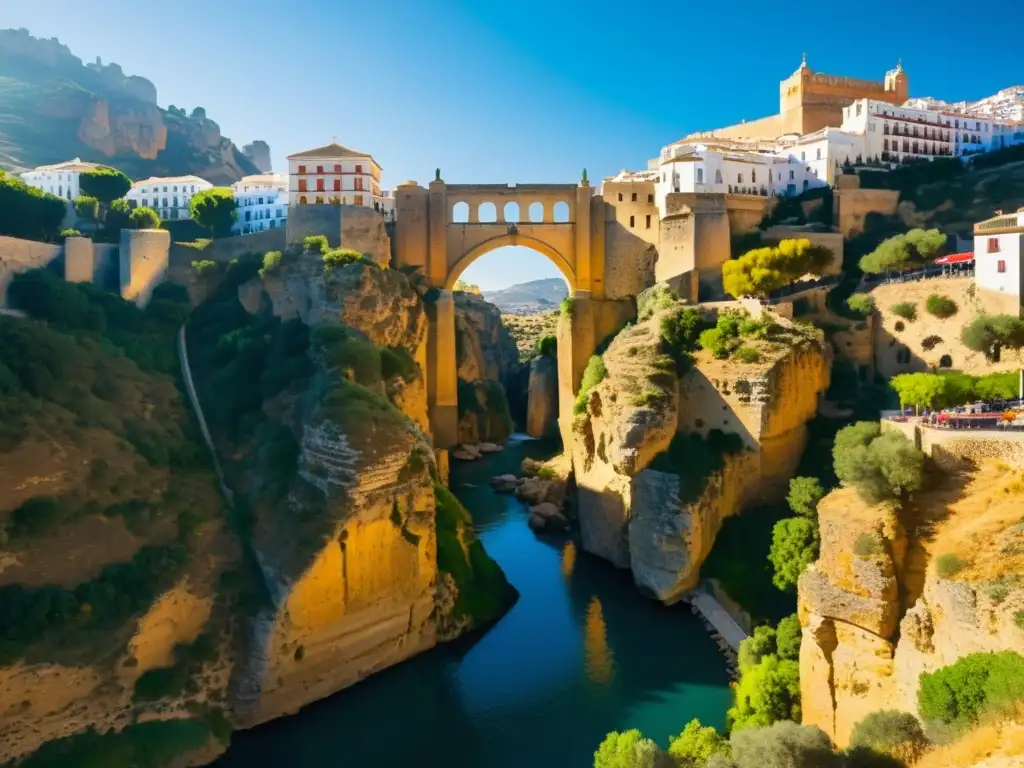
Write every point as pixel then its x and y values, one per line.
pixel 334 149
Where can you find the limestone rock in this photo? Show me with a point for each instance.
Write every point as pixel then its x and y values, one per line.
pixel 483 412
pixel 547 516
pixel 490 448
pixel 542 398
pixel 464 455
pixel 529 467
pixel 484 347
pixel 504 483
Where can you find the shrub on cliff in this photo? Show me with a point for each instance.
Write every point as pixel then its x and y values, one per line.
pixel 804 495
pixel 905 309
pixel 861 304
pixel 66 233
pixel 975 684
pixel 337 258
pixel 788 636
pixel 782 641
pixel 87 207
pixel 901 252
pixel 593 374
pixel 940 306
pixel 891 732
pixel 879 466
pixel 696 744
pixel 693 458
pixel 315 244
pixel 547 345
pixel 272 261
pixel 948 565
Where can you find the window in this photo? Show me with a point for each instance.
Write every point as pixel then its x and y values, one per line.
pixel 319 185
pixel 319 169
pixel 753 177
pixel 648 221
pixel 803 157
pixel 359 169
pixel 993 245
pixel 145 202
pixel 302 185
pixel 193 189
pixel 650 199
pixel 791 175
pixel 302 169
pixel 358 200
pixel 174 188
pixel 302 200
pixel 718 177
pixel 633 198
pixel 358 184
pixel 1000 266
pixel 319 200
pixel 700 175
pixel 337 185
pixel 620 197
pixel 819 153
pixel 858 108
pixel 337 167
pixel 739 178
pixel 248 215
pixel 885 145
pixel 632 222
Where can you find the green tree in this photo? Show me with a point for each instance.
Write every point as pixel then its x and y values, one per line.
pixel 464 287
pixel 547 345
pixel 105 184
pixel 87 208
pixel 753 648
pixel 921 390
pixel 891 732
pixel 767 692
pixel 629 749
pixel 28 212
pixel 804 495
pixel 861 304
pixel 783 745
pixel 879 466
pixel 144 217
pixel 696 745
pixel 788 636
pixel 118 216
pixel 214 209
pixel 903 251
pixel 991 333
pixel 977 683
pixel 762 270
pixel 794 547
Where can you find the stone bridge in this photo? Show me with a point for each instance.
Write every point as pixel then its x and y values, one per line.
pixel 444 228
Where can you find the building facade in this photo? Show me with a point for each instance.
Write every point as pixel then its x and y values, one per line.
pixel 262 202
pixel 997 258
pixel 335 175
pixel 60 179
pixel 169 197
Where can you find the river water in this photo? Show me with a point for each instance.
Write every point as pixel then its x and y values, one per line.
pixel 580 654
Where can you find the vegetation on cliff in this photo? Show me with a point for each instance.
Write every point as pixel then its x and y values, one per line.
pixel 29 212
pixel 949 389
pixel 881 466
pixel 900 252
pixel 763 270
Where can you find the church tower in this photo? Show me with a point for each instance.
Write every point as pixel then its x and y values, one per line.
pixel 897 84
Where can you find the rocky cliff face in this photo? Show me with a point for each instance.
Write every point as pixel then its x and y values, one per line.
pixel 875 612
pixel 542 397
pixel 350 542
pixel 259 153
pixel 638 507
pixel 59 109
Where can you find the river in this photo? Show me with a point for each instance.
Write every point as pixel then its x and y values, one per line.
pixel 580 654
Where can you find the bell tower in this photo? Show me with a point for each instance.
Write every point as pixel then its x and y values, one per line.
pixel 897 84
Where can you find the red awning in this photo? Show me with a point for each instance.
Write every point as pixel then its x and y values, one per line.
pixel 956 258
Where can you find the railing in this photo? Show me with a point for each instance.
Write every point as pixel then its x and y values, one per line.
pixel 922 274
pixel 806 285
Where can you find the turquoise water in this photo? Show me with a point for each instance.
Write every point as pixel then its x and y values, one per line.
pixel 580 654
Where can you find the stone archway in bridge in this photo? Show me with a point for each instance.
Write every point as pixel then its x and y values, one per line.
pixel 429 237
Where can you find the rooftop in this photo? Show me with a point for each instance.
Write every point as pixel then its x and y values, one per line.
pixel 69 165
pixel 334 149
pixel 262 180
pixel 169 180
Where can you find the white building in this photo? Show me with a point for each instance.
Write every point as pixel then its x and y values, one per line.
pixel 335 175
pixel 169 197
pixel 60 179
pixel 823 154
pixel 997 254
pixel 262 202
pixel 893 134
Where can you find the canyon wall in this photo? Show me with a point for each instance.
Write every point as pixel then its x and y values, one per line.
pixel 875 610
pixel 637 507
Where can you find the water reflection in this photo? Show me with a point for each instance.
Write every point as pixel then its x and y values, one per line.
pixel 599 660
pixel 568 558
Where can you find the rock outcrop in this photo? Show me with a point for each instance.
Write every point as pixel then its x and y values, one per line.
pixel 638 508
pixel 484 347
pixel 542 397
pixel 875 612
pixel 258 153
pixel 60 108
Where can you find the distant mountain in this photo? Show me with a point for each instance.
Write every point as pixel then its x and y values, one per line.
pixel 534 296
pixel 54 107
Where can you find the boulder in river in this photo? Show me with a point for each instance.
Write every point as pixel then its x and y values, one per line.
pixel 504 483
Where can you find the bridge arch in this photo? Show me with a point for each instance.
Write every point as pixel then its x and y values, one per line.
pixel 474 253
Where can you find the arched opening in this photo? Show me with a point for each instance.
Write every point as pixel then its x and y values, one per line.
pixel 527 283
pixel 460 213
pixel 512 212
pixel 561 212
pixel 945 361
pixel 487 213
pixel 536 212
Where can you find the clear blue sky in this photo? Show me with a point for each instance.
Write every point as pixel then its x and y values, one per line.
pixel 529 91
